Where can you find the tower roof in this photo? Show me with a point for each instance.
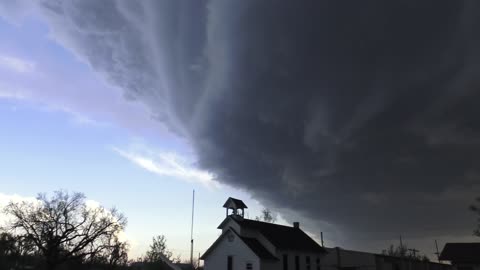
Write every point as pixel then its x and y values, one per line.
pixel 234 203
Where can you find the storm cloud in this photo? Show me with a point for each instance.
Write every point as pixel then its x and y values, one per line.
pixel 359 114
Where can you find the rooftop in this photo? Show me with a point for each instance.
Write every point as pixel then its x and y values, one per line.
pixel 461 252
pixel 282 237
pixel 258 248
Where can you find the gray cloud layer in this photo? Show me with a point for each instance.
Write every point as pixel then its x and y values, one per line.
pixel 362 114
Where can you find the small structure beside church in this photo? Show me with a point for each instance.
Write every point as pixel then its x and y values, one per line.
pixel 255 245
pixel 463 256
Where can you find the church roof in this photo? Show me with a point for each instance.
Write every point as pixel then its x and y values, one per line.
pixel 461 252
pixel 282 237
pixel 258 248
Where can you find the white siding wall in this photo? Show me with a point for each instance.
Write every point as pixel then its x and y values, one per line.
pixel 217 259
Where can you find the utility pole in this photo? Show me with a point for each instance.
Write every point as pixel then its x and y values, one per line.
pixel 191 230
pixel 401 247
pixel 321 237
pixel 413 252
pixel 437 253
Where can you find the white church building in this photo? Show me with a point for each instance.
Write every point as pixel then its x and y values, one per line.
pixel 255 245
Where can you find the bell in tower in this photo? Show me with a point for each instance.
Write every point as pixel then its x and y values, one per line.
pixel 235 205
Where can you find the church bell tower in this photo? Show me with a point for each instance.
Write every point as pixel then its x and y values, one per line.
pixel 233 207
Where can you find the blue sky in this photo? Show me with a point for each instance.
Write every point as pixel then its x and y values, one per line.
pixel 63 127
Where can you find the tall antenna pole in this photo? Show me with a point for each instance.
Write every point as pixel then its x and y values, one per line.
pixel 191 230
pixel 437 253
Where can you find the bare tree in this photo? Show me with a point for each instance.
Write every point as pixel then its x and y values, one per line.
pixel 15 251
pixel 177 259
pixel 63 228
pixel 114 254
pixel 396 251
pixel 402 251
pixel 8 250
pixel 118 253
pixel 158 250
pixel 267 216
pixel 476 208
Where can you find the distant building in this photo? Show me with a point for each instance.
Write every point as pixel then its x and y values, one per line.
pixel 163 264
pixel 463 256
pixel 254 245
pixel 343 259
pixel 385 262
pixel 184 266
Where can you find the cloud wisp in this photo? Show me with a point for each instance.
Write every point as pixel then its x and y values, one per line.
pixel 16 64
pixel 168 164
